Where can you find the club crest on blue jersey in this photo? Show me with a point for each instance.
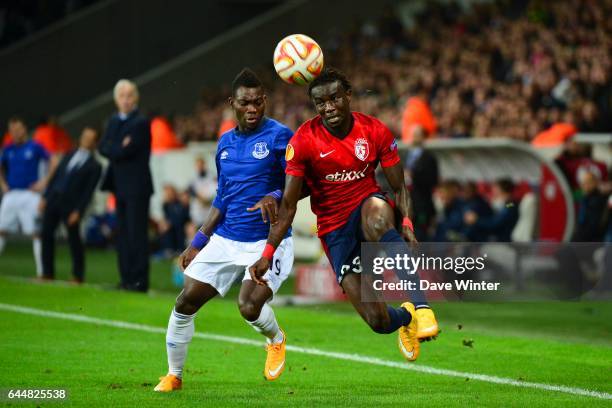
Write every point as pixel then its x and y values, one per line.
pixel 261 150
pixel 224 155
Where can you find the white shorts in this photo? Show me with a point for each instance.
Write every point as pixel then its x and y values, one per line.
pixel 223 260
pixel 19 208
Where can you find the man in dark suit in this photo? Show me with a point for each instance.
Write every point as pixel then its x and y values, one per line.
pixel 422 176
pixel 66 198
pixel 127 145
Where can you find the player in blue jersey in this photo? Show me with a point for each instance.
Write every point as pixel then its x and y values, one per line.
pixel 21 165
pixel 250 167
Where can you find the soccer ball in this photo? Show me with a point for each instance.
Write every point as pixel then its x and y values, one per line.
pixel 298 59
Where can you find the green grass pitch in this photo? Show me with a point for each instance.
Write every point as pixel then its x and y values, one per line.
pixel 561 344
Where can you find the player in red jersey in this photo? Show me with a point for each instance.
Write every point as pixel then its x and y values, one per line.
pixel 336 155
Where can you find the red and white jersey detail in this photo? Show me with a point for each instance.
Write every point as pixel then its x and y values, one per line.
pixel 340 172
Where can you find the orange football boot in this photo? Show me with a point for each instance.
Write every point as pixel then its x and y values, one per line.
pixel 169 383
pixel 275 362
pixel 407 335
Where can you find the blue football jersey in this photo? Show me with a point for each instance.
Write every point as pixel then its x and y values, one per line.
pixel 249 166
pixel 21 164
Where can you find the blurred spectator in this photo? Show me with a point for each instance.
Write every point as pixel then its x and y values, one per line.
pixel 575 159
pixel 568 161
pixel 422 178
pixel 66 198
pixel 21 183
pixel 228 122
pixel 203 190
pixel 172 227
pixel 52 137
pixel 498 226
pixel 127 145
pixel 554 136
pixel 527 224
pixel 417 117
pixel 7 139
pixel 592 207
pixel 591 119
pixel 163 137
pixel 101 229
pixel 476 203
pixel 450 227
pixel 588 163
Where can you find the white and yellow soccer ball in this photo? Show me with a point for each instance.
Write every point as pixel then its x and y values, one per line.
pixel 298 59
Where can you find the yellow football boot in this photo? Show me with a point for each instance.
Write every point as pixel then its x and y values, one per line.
pixel 169 383
pixel 275 362
pixel 407 340
pixel 427 326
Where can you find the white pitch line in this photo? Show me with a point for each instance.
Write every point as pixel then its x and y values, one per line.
pixel 316 352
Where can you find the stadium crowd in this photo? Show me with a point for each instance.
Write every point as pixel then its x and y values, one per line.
pixel 503 69
pixel 511 70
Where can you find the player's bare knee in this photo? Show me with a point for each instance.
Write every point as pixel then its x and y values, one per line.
pixel 376 226
pixel 249 310
pixel 185 305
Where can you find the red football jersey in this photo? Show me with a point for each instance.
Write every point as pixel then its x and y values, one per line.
pixel 340 172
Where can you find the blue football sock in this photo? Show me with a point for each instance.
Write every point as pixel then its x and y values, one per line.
pixel 416 296
pixel 399 317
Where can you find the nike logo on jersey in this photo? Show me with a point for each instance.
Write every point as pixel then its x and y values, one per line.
pixel 322 155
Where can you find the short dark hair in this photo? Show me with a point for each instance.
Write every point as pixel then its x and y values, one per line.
pixel 95 129
pixel 328 76
pixel 246 78
pixel 506 185
pixel 17 118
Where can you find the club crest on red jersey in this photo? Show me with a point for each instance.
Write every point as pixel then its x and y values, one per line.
pixel 361 149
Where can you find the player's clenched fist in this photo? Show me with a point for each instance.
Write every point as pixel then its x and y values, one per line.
pixel 187 256
pixel 259 269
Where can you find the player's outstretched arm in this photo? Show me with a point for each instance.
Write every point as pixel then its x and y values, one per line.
pixel 215 216
pixel 395 177
pixel 286 213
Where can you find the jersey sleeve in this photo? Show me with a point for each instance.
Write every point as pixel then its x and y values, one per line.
pixel 280 146
pixel 296 155
pixel 43 154
pixel 4 158
pixel 387 147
